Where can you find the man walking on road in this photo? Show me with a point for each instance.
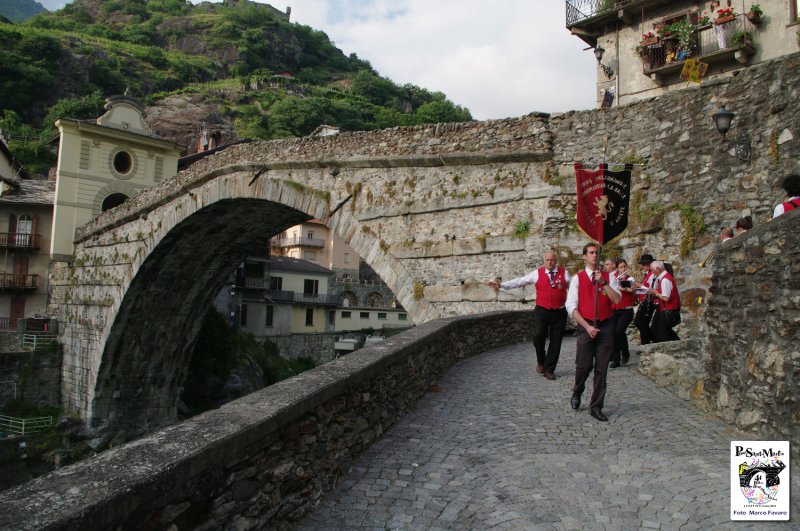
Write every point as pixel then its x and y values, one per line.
pixel 589 301
pixel 549 316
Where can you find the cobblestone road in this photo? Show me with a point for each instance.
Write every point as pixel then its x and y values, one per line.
pixel 498 447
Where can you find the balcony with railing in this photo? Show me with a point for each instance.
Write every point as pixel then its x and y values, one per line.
pixel 594 14
pixel 298 241
pixel 20 240
pixel 711 43
pixel 17 281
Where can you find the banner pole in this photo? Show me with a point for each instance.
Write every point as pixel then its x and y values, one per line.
pixel 598 267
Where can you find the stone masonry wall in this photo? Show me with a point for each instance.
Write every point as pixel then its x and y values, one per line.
pixel 264 460
pixel 35 375
pixel 747 369
pixel 318 347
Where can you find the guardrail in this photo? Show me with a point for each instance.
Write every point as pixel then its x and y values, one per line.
pixel 38 342
pixel 25 426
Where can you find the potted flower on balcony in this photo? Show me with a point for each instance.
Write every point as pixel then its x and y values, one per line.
pixel 755 14
pixel 725 15
pixel 648 39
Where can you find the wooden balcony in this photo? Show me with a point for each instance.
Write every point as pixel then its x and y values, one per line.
pixel 11 281
pixel 20 241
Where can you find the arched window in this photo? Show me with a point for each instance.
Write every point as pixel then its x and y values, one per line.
pixel 374 300
pixel 349 299
pixel 114 200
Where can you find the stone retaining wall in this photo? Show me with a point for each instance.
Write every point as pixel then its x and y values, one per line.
pixel 264 460
pixel 746 370
pixel 318 347
pixel 35 375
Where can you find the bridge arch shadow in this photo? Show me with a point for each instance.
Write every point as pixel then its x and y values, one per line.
pixel 135 297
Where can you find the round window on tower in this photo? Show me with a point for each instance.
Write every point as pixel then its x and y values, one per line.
pixel 123 164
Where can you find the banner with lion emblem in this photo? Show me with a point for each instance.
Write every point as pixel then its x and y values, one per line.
pixel 603 200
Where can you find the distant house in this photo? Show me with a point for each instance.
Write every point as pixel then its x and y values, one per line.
pixel 26 213
pixel 325 130
pixel 642 46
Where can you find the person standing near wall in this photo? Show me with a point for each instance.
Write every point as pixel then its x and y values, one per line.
pixel 668 304
pixel 623 315
pixel 644 314
pixel 790 183
pixel 589 301
pixel 549 315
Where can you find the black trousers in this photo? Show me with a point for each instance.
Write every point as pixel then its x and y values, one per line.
pixel 548 324
pixel 644 314
pixel 661 329
pixel 622 319
pixel 594 353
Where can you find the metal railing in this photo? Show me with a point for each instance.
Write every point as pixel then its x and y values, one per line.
pixel 317 298
pixel 279 295
pixel 578 10
pixel 38 342
pixel 706 41
pixel 293 241
pixel 14 280
pixel 25 426
pixel 20 240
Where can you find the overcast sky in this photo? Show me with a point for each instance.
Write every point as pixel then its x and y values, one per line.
pixel 499 59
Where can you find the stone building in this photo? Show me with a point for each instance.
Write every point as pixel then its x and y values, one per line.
pixel 642 46
pixel 103 163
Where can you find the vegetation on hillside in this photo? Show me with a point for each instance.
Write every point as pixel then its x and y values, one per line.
pixel 63 64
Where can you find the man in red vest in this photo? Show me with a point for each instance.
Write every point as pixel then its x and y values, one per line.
pixel 589 301
pixel 790 183
pixel 549 316
pixel 668 304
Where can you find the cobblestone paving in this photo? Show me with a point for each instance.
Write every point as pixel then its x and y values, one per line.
pixel 498 447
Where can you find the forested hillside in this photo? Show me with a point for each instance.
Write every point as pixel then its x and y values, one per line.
pixel 241 68
pixel 19 10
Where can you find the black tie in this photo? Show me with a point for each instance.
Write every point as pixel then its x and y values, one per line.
pixel 552 275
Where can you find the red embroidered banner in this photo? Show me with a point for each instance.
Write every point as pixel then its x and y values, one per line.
pixel 603 199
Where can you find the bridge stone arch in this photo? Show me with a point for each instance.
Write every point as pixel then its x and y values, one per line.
pixel 132 300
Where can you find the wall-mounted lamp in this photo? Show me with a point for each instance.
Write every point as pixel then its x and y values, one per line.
pixel 723 119
pixel 598 54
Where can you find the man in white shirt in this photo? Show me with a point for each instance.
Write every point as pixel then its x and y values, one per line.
pixel 591 294
pixel 549 315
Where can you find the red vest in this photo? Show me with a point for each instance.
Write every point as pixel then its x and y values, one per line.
pixel 625 302
pixel 646 283
pixel 548 296
pixel 674 302
pixel 788 206
pixel 586 292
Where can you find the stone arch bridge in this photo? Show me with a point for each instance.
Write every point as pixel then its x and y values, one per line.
pixel 433 209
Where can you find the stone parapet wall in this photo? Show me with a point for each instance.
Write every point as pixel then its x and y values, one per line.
pixel 745 370
pixel 264 460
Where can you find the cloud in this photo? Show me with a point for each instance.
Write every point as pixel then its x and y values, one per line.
pixel 497 59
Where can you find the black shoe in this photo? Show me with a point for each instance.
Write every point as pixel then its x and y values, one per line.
pixel 626 358
pixel 598 414
pixel 614 364
pixel 549 376
pixel 575 402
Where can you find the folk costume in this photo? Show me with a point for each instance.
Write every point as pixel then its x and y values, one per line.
pixel 549 315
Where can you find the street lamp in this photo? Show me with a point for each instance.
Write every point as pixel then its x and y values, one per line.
pixel 598 54
pixel 723 119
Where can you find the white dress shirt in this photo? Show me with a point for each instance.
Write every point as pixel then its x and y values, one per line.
pixel 665 285
pixel 779 209
pixel 530 278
